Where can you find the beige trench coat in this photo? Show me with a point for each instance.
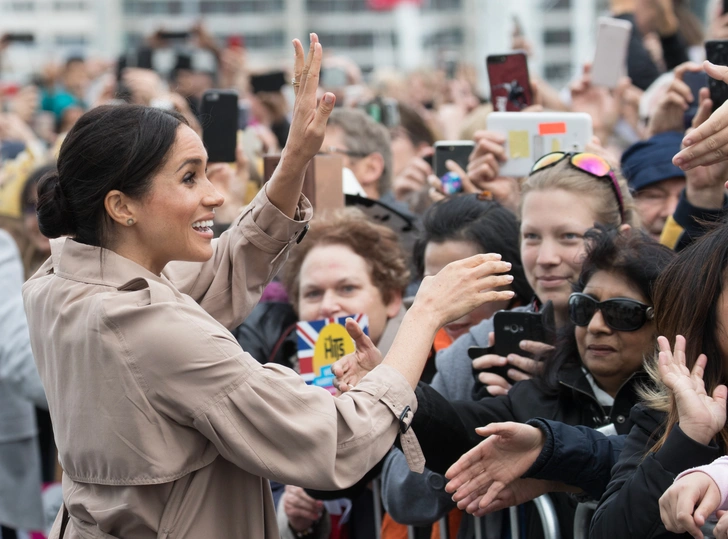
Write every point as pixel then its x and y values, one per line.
pixel 165 426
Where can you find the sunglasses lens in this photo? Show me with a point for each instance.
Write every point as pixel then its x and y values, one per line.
pixel 547 160
pixel 591 163
pixel 581 309
pixel 624 315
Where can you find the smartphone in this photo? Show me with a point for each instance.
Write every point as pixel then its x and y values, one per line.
pixel 510 88
pixel 610 56
pixel 695 81
pixel 456 150
pixel 182 35
pixel 512 327
pixel 334 77
pixel 725 6
pixel 268 82
pixel 19 38
pixel 531 135
pixel 717 52
pixel 219 117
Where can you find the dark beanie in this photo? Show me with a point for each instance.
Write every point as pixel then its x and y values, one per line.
pixel 650 161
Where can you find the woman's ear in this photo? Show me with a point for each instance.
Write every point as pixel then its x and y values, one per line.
pixel 625 230
pixel 394 305
pixel 119 207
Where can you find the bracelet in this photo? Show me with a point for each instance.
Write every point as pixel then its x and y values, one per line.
pixel 305 533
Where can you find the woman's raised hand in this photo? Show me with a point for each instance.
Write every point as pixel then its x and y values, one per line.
pixel 480 475
pixel 701 415
pixel 353 367
pixel 463 285
pixel 308 124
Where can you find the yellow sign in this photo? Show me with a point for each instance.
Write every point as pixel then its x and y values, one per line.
pixel 332 344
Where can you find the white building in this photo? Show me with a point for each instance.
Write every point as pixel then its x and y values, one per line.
pixel 562 31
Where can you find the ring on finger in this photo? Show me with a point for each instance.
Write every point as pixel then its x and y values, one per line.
pixel 295 83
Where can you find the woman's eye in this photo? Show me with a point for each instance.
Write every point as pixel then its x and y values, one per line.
pixel 312 294
pixel 348 289
pixel 571 236
pixel 530 237
pixel 189 177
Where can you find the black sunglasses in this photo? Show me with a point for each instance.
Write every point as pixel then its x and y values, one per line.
pixel 620 314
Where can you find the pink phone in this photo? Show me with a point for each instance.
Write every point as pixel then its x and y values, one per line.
pixel 510 88
pixel 611 52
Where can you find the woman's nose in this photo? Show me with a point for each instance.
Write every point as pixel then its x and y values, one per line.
pixel 330 305
pixel 597 324
pixel 548 254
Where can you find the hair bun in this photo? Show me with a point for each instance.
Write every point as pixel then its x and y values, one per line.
pixel 55 217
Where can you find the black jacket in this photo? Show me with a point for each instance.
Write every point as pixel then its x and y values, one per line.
pixel 573 402
pixel 630 508
pixel 621 469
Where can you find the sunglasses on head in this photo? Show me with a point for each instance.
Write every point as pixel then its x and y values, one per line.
pixel 591 163
pixel 620 314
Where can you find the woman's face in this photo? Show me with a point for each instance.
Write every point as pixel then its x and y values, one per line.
pixel 335 281
pixel 439 255
pixel 173 218
pixel 613 356
pixel 30 224
pixel 553 223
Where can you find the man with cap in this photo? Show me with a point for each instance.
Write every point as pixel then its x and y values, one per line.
pixel 654 181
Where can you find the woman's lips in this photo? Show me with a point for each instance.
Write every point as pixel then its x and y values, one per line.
pixel 600 349
pixel 551 281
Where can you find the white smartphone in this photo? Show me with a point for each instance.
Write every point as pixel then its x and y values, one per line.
pixel 531 135
pixel 610 56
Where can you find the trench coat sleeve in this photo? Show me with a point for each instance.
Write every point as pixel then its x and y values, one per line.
pixel 262 418
pixel 630 508
pixel 245 259
pixel 17 366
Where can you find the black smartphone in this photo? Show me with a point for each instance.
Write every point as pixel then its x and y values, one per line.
pixel 268 82
pixel 695 81
pixel 510 86
pixel 455 150
pixel 174 36
pixel 500 370
pixel 725 6
pixel 219 116
pixel 512 327
pixel 716 51
pixel 19 38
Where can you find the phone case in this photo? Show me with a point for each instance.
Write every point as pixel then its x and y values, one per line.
pixel 716 51
pixel 512 327
pixel 610 55
pixel 531 135
pixel 510 87
pixel 219 118
pixel 455 150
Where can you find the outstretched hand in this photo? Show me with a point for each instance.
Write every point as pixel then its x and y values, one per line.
pixel 685 506
pixel 701 415
pixel 351 368
pixel 480 475
pixel 708 144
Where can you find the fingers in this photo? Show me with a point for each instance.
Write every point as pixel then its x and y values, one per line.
pixel 495 384
pixel 313 42
pixel 715 71
pixel 705 108
pixel 361 339
pixel 518 375
pixel 535 347
pixel 489 360
pixel 299 62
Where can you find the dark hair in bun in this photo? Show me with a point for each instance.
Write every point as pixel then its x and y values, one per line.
pixel 113 147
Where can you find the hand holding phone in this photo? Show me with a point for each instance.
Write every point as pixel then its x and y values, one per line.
pixel 510 87
pixel 219 117
pixel 716 52
pixel 610 56
pixel 455 150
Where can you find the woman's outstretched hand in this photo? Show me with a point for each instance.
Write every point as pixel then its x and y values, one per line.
pixel 353 367
pixel 701 415
pixel 708 144
pixel 685 506
pixel 480 475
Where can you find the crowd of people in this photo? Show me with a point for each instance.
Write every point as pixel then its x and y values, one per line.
pixel 149 299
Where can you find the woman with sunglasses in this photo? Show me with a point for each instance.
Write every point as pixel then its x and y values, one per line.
pixel 564 195
pixel 590 380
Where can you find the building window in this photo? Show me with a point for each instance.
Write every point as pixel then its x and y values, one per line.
pixel 152 7
pixel 557 37
pixel 210 7
pixel 441 5
pixel 71 40
pixel 22 6
pixel 269 40
pixel 557 72
pixel 445 38
pixel 70 6
pixel 340 6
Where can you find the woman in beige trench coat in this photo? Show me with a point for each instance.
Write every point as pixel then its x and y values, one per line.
pixel 165 426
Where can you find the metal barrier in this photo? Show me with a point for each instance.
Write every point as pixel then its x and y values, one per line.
pixel 582 519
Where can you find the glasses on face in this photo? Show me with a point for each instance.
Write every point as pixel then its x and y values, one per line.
pixel 620 314
pixel 591 163
pixel 333 149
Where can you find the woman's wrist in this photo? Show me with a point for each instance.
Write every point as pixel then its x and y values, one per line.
pixel 426 318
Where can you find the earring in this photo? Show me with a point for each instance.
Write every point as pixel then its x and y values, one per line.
pixel 130 221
